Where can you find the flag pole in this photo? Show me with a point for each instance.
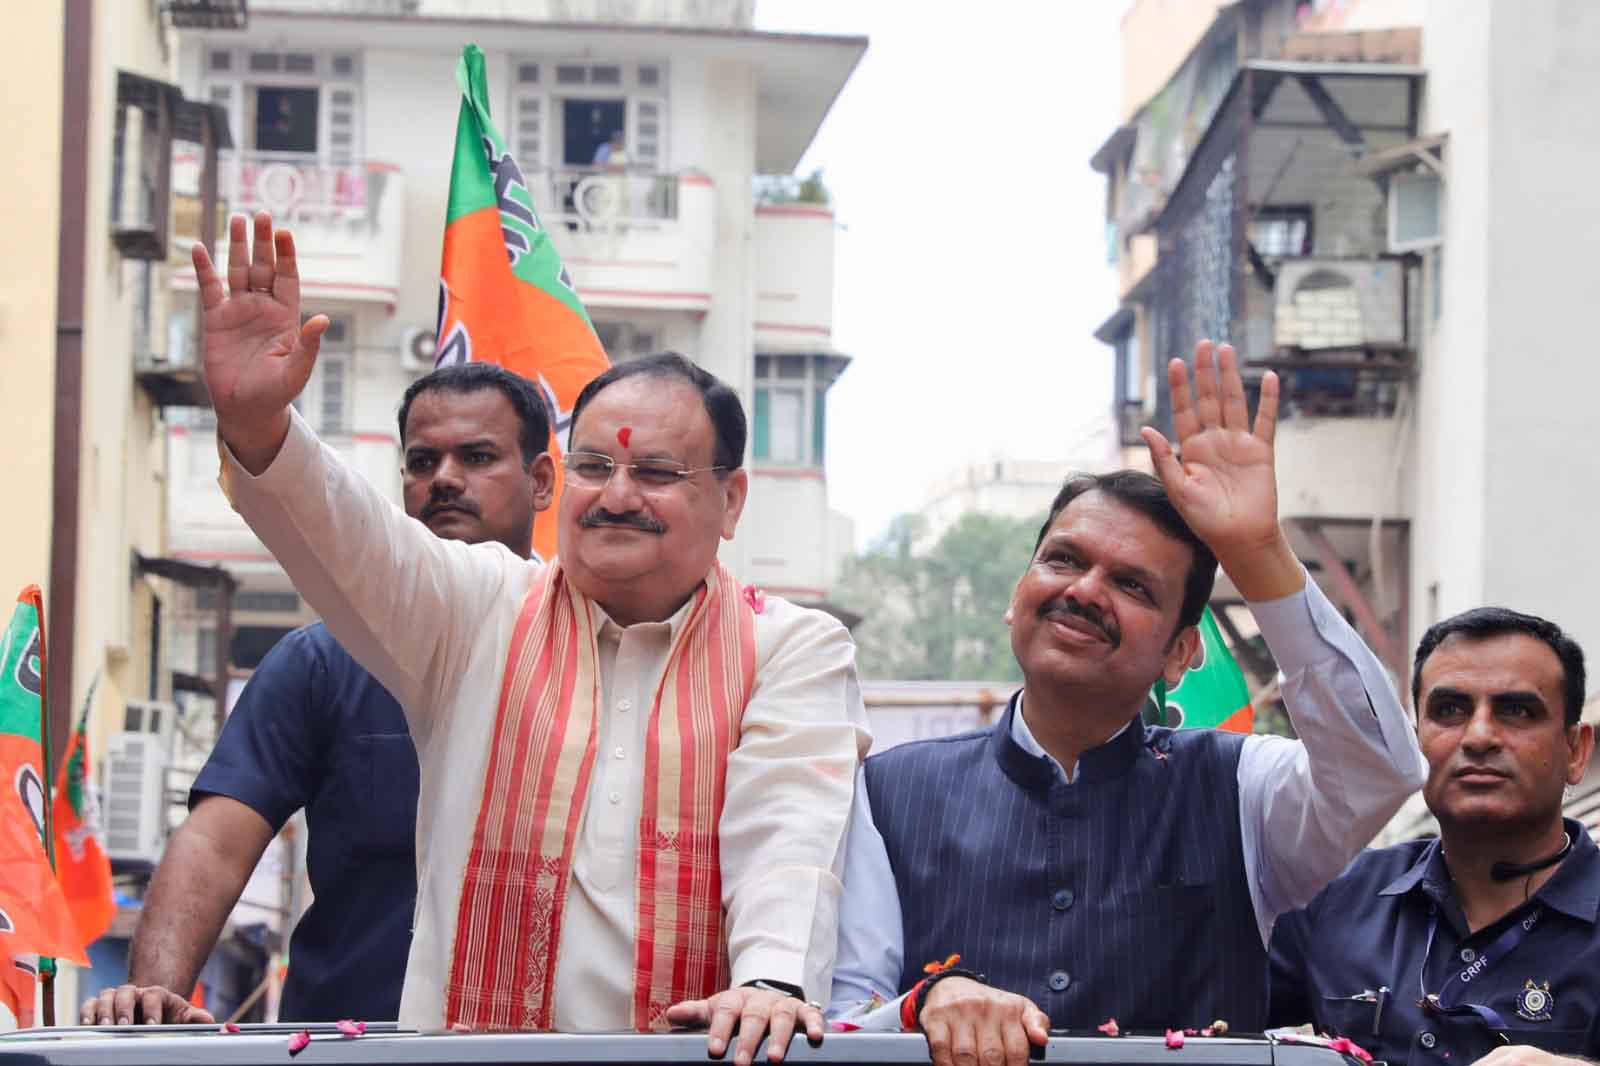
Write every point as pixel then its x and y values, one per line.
pixel 47 965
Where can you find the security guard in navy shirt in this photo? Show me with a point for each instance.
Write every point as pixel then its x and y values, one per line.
pixel 1480 946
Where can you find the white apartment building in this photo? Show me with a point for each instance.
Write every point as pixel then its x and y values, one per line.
pixel 345 117
pixel 1380 202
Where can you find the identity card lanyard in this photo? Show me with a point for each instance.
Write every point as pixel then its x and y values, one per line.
pixel 1448 1000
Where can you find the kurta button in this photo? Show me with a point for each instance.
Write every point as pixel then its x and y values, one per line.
pixel 1062 899
pixel 1468 955
pixel 1059 981
pixel 1428 1040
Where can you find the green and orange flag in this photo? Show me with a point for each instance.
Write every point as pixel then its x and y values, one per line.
pixel 83 868
pixel 1212 694
pixel 34 916
pixel 504 295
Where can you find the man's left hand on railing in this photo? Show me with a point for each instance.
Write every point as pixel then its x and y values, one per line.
pixel 753 1011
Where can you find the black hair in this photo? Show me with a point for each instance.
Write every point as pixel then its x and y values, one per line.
pixel 1146 494
pixel 722 403
pixel 524 396
pixel 1481 623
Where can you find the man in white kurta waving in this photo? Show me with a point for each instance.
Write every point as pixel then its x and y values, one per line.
pixel 636 777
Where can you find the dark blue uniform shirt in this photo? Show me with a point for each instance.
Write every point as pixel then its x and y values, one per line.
pixel 313 729
pixel 1365 939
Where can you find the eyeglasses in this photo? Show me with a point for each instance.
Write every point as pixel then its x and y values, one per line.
pixel 594 471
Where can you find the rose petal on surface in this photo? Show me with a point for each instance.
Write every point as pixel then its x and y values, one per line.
pixel 1208 1031
pixel 350 1028
pixel 758 603
pixel 298 1042
pixel 1349 1047
pixel 843 1027
pixel 230 1027
pixel 1109 1027
pixel 1174 1038
pixel 1191 1032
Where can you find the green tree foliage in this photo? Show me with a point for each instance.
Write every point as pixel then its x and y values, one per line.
pixel 937 615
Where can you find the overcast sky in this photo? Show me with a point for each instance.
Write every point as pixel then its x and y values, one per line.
pixel 971 265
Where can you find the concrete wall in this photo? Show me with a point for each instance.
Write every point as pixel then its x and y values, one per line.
pixel 1541 480
pixel 1157 36
pixel 794 277
pixel 28 264
pixel 1448 548
pixel 122 486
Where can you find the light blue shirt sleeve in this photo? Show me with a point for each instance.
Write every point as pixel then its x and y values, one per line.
pixel 871 953
pixel 1308 806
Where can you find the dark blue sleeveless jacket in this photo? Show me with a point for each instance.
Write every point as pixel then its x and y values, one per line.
pixel 1121 895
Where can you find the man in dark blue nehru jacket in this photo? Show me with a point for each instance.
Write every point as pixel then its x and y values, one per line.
pixel 1085 866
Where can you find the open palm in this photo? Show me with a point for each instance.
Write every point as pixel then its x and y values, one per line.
pixel 258 356
pixel 1225 485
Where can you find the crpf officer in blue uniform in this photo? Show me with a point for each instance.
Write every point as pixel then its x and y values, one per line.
pixel 1480 945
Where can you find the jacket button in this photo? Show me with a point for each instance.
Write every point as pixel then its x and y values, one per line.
pixel 1062 899
pixel 1059 981
pixel 1427 1040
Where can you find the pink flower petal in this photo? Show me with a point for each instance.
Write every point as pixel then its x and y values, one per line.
pixel 1191 1032
pixel 350 1028
pixel 1349 1047
pixel 755 598
pixel 1208 1031
pixel 1109 1027
pixel 1174 1038
pixel 843 1027
pixel 230 1027
pixel 298 1042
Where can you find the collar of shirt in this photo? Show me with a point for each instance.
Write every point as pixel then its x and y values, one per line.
pixel 606 629
pixel 1028 743
pixel 1574 890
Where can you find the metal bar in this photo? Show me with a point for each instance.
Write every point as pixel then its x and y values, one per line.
pixel 1240 244
pixel 1348 131
pixel 67 444
pixel 1348 594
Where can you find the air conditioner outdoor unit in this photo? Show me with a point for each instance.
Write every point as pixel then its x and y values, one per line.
pixel 135 800
pixel 418 346
pixel 1339 303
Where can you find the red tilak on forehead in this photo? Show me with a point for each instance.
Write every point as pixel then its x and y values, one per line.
pixel 623 434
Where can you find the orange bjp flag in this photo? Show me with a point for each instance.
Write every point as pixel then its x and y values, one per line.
pixel 82 866
pixel 34 916
pixel 504 295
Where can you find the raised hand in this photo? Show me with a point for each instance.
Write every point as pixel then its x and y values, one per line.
pixel 1225 485
pixel 258 356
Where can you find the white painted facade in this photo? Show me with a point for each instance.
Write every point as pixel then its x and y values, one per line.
pixel 1506 477
pixel 688 260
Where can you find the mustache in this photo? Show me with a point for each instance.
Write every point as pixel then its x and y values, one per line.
pixel 598 517
pixel 1065 608
pixel 457 503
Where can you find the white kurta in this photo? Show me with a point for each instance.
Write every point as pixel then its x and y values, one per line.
pixel 432 619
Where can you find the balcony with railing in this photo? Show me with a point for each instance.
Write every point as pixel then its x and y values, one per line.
pixel 633 238
pixel 348 219
pixel 1274 239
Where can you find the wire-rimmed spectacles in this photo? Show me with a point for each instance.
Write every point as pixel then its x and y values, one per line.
pixel 594 470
